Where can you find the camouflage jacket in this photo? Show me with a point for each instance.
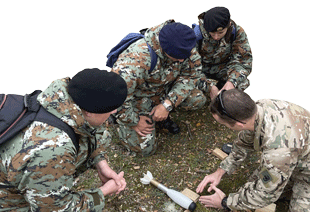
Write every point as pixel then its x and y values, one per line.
pixel 282 135
pixel 170 80
pixel 235 57
pixel 38 166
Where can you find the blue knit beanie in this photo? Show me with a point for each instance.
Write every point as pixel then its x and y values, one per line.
pixel 177 40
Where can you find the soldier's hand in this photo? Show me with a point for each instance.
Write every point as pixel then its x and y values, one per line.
pixel 105 173
pixel 213 178
pixel 145 126
pixel 159 113
pixel 213 92
pixel 228 85
pixel 122 182
pixel 214 200
pixel 111 187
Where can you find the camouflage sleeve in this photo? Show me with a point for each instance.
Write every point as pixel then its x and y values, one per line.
pixel 267 182
pixel 103 138
pixel 205 84
pixel 187 80
pixel 131 66
pixel 240 149
pixel 240 66
pixel 49 160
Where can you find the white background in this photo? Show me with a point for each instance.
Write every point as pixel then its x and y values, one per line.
pixel 41 41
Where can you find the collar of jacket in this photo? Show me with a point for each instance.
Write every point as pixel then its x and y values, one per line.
pixel 56 100
pixel 258 127
pixel 152 38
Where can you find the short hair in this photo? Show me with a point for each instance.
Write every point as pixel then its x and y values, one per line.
pixel 237 104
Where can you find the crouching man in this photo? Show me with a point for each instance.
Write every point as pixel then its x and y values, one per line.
pixel 280 130
pixel 38 166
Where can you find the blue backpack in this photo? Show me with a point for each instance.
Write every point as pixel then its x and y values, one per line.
pixel 124 44
pixel 17 112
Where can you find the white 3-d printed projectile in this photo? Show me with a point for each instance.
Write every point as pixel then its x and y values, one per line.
pixel 176 196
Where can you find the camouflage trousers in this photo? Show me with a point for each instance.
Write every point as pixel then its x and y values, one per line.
pixel 218 74
pixel 297 192
pixel 147 145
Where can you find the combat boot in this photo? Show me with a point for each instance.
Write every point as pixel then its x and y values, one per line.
pixel 170 125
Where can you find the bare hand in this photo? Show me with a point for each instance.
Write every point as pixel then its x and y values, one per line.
pixel 213 178
pixel 145 126
pixel 159 113
pixel 105 174
pixel 111 187
pixel 214 200
pixel 213 92
pixel 228 85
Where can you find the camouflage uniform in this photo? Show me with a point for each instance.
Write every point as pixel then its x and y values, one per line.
pixel 282 134
pixel 225 61
pixel 38 166
pixel 169 80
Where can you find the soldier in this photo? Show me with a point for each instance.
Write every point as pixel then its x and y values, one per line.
pixel 280 130
pixel 38 166
pixel 152 96
pixel 225 52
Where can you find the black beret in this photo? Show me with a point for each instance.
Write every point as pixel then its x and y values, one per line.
pixel 216 18
pixel 177 40
pixel 97 91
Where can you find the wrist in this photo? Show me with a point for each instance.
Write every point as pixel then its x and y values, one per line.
pixel 167 104
pixel 224 204
pixel 233 82
pixel 102 164
pixel 220 172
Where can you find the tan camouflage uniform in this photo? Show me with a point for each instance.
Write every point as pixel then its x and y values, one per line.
pixel 224 61
pixel 169 80
pixel 38 166
pixel 282 134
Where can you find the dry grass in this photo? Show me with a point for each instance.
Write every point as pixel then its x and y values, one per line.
pixel 180 162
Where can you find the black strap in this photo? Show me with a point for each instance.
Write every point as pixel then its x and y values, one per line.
pixel 52 120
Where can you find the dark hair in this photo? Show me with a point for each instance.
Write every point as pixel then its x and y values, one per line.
pixel 238 105
pixel 229 35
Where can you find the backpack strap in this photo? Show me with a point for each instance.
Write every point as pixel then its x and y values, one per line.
pixel 44 116
pixel 199 37
pixel 153 58
pixel 124 44
pixel 198 34
pixel 233 33
pixel 152 52
pixel 121 46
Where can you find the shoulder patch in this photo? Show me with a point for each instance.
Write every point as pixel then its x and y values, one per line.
pixel 265 176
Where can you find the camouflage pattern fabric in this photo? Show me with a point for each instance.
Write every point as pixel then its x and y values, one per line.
pixel 223 60
pixel 38 166
pixel 169 80
pixel 282 135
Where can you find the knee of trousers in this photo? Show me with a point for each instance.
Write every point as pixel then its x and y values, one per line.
pixel 145 146
pixel 194 101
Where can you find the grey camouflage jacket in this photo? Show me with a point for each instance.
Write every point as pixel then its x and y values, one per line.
pixel 170 80
pixel 282 135
pixel 38 166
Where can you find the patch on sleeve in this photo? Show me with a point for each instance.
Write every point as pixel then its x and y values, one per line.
pixel 96 198
pixel 265 176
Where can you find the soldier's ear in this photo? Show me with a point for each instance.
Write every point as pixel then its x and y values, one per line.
pixel 86 114
pixel 239 125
